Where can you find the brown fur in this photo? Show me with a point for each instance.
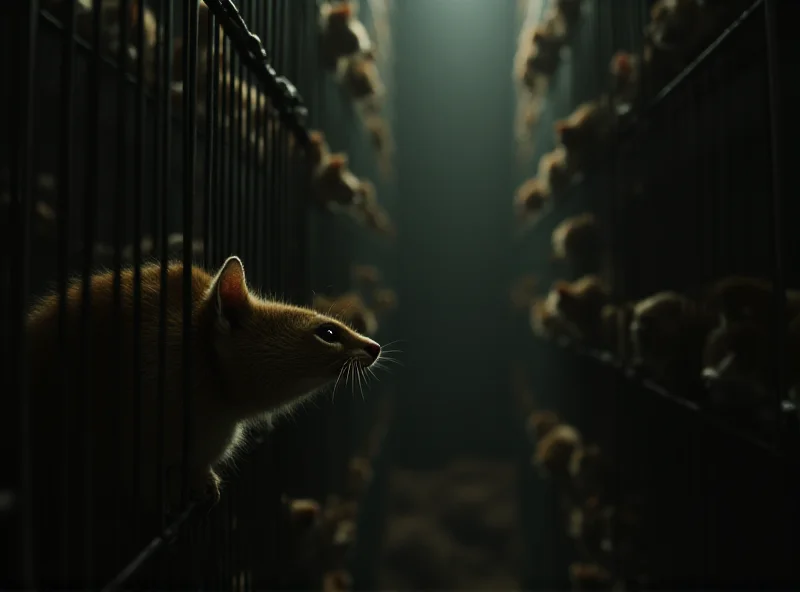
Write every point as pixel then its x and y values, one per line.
pixel 531 198
pixel 338 580
pixel 590 576
pixel 584 132
pixel 250 358
pixel 580 305
pixel 361 78
pixel 359 477
pixel 667 335
pixel 555 169
pixel 349 308
pixel 555 449
pixel 342 34
pixel 578 241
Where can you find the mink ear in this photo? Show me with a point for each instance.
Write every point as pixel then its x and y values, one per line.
pixel 230 292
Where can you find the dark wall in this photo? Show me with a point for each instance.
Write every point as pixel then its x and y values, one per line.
pixel 454 131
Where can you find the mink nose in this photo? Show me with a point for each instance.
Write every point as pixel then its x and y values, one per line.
pixel 373 349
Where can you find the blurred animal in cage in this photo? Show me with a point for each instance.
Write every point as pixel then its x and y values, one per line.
pixel 362 81
pixel 237 377
pixel 342 34
pixel 677 31
pixel 148 251
pixel 554 451
pixel 583 134
pixel 531 200
pixel 536 60
pixel 335 186
pixel 557 171
pixel 365 275
pixel 338 580
pixel 625 69
pixel 579 241
pixel 667 333
pixel 111 29
pixel 590 576
pixel 738 369
pixel 742 298
pixel 578 307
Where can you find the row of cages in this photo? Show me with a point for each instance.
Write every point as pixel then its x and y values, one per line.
pixel 656 270
pixel 153 151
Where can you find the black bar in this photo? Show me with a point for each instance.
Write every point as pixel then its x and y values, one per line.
pixel 167 12
pixel 778 246
pixel 211 136
pixel 138 199
pixel 189 147
pixel 63 209
pixel 120 207
pixel 89 229
pixel 19 209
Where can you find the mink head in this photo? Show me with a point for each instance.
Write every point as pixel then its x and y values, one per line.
pixel 531 197
pixel 286 350
pixel 581 300
pixel 660 323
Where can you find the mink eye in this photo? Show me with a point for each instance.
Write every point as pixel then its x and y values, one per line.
pixel 329 333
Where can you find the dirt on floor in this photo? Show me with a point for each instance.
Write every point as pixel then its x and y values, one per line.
pixel 453 528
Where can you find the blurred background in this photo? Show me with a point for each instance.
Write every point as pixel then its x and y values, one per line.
pixel 567 222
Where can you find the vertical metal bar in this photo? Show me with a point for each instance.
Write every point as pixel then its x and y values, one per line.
pixel 167 11
pixel 242 99
pixel 219 107
pixel 19 209
pixel 230 89
pixel 254 94
pixel 211 122
pixel 89 228
pixel 189 143
pixel 138 198
pixel 64 212
pixel 120 231
pixel 778 246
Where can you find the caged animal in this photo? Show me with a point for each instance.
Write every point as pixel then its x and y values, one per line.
pixel 740 298
pixel 342 34
pixel 555 449
pixel 667 334
pixel 334 185
pixel 531 198
pixel 362 80
pixel 556 171
pixel 579 305
pixel 252 359
pixel 583 133
pixel 578 241
pixel 738 353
